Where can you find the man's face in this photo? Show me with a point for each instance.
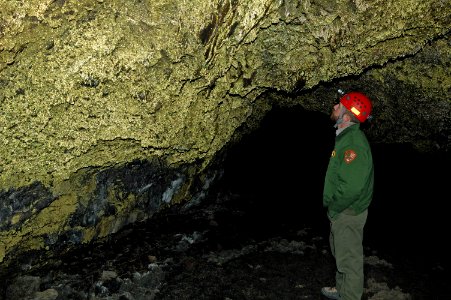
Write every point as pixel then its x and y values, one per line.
pixel 336 112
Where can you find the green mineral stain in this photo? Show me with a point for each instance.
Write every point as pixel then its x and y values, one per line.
pixel 50 220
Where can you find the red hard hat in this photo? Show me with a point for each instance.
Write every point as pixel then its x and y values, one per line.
pixel 357 103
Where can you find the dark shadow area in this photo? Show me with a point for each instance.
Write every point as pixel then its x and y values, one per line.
pixel 409 212
pixel 281 169
pixel 281 166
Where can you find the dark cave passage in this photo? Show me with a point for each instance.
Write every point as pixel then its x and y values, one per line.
pixel 281 169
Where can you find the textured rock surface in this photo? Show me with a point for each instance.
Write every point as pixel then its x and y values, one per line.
pixel 110 110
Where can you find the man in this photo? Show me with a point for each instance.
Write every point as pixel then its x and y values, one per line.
pixel 348 191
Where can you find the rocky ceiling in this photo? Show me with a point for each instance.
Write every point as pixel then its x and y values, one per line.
pixel 112 110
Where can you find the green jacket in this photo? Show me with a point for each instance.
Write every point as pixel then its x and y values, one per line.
pixel 350 175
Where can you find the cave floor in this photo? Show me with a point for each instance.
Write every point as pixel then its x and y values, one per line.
pixel 221 249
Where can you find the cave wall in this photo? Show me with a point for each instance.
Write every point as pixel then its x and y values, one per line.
pixel 102 99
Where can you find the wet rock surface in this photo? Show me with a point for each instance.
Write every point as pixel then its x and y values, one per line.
pixel 228 247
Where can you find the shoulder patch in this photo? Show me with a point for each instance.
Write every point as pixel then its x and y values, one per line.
pixel 349 156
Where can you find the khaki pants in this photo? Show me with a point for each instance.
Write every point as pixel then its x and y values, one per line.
pixel 346 238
